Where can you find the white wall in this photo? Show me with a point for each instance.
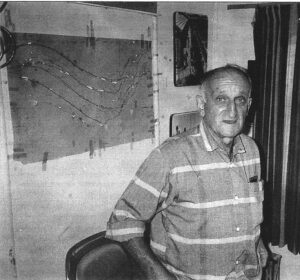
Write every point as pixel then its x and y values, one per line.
pixel 70 201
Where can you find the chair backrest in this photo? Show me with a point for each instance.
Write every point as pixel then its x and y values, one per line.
pixel 97 257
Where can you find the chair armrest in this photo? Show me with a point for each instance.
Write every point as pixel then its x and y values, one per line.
pixel 97 257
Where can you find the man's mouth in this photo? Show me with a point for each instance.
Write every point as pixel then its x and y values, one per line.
pixel 230 121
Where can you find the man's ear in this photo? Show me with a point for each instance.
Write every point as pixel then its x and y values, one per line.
pixel 201 100
pixel 249 103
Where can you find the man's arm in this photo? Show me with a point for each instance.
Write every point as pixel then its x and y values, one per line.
pixel 146 260
pixel 136 207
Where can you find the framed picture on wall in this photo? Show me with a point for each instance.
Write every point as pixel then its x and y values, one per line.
pixel 190 48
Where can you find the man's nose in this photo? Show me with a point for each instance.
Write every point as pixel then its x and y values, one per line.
pixel 232 109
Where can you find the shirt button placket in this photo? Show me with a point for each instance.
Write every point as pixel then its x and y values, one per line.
pixel 236 227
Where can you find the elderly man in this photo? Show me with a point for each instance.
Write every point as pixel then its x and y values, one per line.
pixel 201 192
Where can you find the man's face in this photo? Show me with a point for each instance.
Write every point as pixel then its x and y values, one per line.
pixel 227 104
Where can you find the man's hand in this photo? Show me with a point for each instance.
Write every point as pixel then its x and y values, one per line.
pixel 146 260
pixel 263 253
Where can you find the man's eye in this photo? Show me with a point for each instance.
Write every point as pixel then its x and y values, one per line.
pixel 220 99
pixel 240 100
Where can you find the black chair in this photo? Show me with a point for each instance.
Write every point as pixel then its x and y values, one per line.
pixel 99 258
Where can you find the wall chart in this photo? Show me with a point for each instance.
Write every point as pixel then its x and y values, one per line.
pixel 71 95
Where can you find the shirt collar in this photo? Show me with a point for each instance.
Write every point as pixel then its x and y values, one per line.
pixel 207 142
pixel 238 147
pixel 211 144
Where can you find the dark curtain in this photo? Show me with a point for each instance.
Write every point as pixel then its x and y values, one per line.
pixel 271 29
pixel 292 213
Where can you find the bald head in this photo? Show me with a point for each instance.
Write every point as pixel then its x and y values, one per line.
pixel 229 69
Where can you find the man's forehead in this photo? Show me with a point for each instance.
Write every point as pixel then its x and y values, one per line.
pixel 225 79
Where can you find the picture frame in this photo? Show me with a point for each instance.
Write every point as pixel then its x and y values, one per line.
pixel 190 33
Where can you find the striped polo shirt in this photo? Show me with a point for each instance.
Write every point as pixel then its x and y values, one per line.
pixel 205 209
